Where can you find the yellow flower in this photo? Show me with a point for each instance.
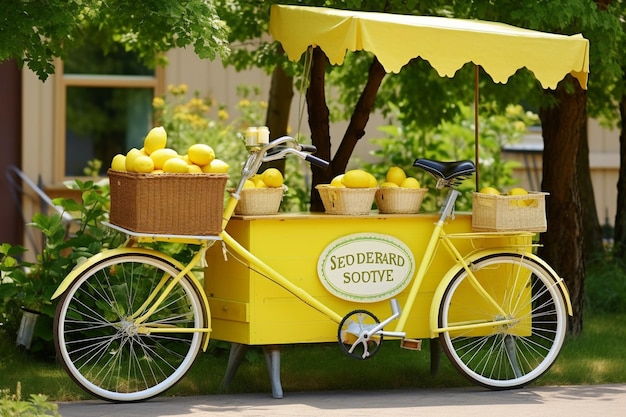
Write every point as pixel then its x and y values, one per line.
pixel 244 102
pixel 222 114
pixel 519 126
pixel 182 88
pixel 158 102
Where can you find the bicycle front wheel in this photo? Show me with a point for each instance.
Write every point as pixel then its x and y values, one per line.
pixel 504 325
pixel 102 346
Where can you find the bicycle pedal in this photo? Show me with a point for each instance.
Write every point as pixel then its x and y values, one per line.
pixel 411 344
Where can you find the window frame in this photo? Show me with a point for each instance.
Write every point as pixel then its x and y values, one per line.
pixel 63 81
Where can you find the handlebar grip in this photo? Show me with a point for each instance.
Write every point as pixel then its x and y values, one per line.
pixel 308 148
pixel 317 161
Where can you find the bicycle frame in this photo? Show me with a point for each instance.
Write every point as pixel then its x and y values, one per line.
pixel 437 236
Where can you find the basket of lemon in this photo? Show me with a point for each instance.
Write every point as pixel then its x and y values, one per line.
pixel 399 194
pixel 262 194
pixel 155 190
pixel 516 210
pixel 351 193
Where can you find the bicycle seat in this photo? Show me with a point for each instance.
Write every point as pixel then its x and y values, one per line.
pixel 446 170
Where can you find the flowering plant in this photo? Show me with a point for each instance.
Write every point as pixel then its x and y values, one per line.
pixel 200 120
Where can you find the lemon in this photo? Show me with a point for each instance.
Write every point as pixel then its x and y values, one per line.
pixel 176 165
pixel 518 191
pixel 201 154
pixel 119 162
pixel 248 184
pixel 489 190
pixel 272 177
pixel 255 179
pixel 395 175
pixel 410 182
pixel 336 182
pixel 130 159
pixel 389 184
pixel 143 164
pixel 217 166
pixel 155 139
pixel 356 178
pixel 373 181
pixel 194 169
pixel 521 191
pixel 261 184
pixel 161 155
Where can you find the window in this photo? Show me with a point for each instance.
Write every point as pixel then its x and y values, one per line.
pixel 104 107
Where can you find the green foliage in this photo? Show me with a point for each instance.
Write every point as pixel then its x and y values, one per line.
pixel 34 33
pixel 201 120
pixel 605 284
pixel 454 140
pixel 12 405
pixel 31 285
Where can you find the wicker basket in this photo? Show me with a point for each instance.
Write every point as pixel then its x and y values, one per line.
pixel 354 201
pixel 260 201
pixel 501 213
pixel 400 200
pixel 173 204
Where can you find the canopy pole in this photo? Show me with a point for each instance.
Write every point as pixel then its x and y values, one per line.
pixel 476 91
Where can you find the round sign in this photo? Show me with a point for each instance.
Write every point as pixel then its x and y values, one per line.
pixel 366 267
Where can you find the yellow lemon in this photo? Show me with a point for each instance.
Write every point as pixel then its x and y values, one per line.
pixel 356 178
pixel 217 166
pixel 521 191
pixel 201 154
pixel 389 184
pixel 130 159
pixel 261 184
pixel 194 169
pixel 518 191
pixel 119 162
pixel 155 139
pixel 255 178
pixel 373 181
pixel 143 164
pixel 395 175
pixel 272 177
pixel 161 155
pixel 489 190
pixel 410 182
pixel 336 182
pixel 176 165
pixel 248 184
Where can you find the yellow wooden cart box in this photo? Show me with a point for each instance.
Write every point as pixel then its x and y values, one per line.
pixel 248 308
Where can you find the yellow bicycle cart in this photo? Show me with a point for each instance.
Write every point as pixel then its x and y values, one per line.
pixel 130 321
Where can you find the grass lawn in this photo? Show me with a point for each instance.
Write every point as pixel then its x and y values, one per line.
pixel 596 357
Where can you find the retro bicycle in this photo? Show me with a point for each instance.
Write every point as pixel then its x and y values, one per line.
pixel 130 321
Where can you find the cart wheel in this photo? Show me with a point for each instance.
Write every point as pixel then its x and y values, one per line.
pixel 353 338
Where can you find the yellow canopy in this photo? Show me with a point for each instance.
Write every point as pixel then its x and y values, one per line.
pixel 446 43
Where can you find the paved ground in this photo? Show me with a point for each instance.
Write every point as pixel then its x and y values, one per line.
pixel 570 401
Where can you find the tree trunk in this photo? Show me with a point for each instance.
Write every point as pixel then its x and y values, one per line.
pixel 563 247
pixel 360 117
pixel 591 225
pixel 619 235
pixel 319 124
pixel 278 107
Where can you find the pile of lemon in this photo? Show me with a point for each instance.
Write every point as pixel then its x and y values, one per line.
pixel 156 158
pixel 517 191
pixel 270 178
pixel 358 178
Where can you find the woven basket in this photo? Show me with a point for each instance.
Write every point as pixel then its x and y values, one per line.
pixel 260 201
pixel 400 200
pixel 173 204
pixel 501 213
pixel 354 201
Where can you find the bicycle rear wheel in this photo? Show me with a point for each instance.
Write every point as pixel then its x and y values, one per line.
pixel 526 331
pixel 102 348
